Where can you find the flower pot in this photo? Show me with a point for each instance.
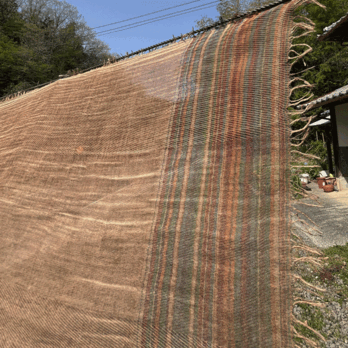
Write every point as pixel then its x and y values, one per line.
pixel 328 188
pixel 320 182
pixel 330 181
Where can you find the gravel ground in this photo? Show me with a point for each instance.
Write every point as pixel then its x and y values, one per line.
pixel 331 321
pixel 331 217
pixel 332 220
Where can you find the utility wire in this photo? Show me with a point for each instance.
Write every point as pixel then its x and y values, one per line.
pixel 151 20
pixel 148 14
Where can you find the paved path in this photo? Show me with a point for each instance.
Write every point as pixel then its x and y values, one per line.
pixel 331 218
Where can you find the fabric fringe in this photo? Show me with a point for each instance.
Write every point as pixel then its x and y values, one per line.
pixel 13 96
pixel 297 138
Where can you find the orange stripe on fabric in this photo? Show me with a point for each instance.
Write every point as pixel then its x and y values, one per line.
pixel 183 199
pixel 214 195
pixel 248 176
pixel 207 240
pixel 219 311
pixel 274 228
pixel 236 117
pixel 244 59
pixel 264 300
pixel 158 219
pixel 200 209
pixel 170 210
pixel 285 257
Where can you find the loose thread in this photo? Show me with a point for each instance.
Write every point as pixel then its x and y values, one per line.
pixel 311 303
pixel 301 212
pixel 305 154
pixel 308 259
pixel 299 55
pixel 308 249
pixel 311 259
pixel 303 18
pixel 303 71
pixel 311 205
pixel 313 228
pixel 302 140
pixel 308 284
pixel 305 324
pixel 301 119
pixel 305 98
pixel 304 128
pixel 310 291
pixel 306 339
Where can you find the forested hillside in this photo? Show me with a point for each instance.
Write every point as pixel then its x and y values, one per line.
pixel 41 39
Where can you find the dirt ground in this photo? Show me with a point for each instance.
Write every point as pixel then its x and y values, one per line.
pixel 331 218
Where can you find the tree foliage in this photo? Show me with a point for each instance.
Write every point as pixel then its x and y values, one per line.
pixel 41 39
pixel 325 67
pixel 229 8
pixel 328 61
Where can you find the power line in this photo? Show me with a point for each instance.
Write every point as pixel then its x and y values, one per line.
pixel 151 20
pixel 148 14
pixel 200 7
pixel 170 15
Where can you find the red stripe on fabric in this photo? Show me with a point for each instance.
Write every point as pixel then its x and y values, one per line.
pixel 170 205
pixel 248 176
pixel 221 288
pixel 236 119
pixel 161 206
pixel 274 228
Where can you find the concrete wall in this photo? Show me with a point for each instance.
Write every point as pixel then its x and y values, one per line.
pixel 342 132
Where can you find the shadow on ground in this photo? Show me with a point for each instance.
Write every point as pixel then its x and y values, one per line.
pixel 331 219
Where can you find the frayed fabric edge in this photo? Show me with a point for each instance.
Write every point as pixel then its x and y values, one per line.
pixel 312 256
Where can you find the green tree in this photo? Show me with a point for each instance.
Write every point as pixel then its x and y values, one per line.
pixel 41 39
pixel 229 8
pixel 326 66
pixel 328 59
pixel 69 53
pixel 11 52
pixel 53 17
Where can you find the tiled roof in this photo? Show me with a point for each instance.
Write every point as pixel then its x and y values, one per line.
pixel 324 118
pixel 331 28
pixel 320 123
pixel 334 96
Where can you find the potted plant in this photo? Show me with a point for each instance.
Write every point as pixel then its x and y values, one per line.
pixel 328 187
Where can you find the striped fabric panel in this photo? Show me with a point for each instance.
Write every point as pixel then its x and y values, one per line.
pixel 218 272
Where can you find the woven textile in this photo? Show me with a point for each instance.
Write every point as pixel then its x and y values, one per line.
pixel 146 203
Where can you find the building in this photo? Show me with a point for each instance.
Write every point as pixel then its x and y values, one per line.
pixel 336 105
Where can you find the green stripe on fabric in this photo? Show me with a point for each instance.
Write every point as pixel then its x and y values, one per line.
pixel 167 187
pixel 183 282
pixel 183 287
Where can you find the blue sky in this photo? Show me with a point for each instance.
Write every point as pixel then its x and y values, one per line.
pixel 102 12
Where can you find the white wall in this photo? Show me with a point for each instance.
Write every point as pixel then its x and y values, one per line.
pixel 342 124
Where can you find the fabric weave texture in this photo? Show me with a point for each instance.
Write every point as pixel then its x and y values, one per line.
pixel 146 203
